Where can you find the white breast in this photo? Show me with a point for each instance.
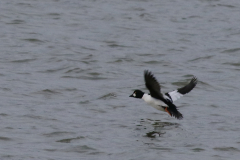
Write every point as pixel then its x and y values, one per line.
pixel 158 104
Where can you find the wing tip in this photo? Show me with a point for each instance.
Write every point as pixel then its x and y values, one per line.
pixel 194 80
pixel 147 72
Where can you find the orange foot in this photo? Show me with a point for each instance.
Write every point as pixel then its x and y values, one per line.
pixel 166 109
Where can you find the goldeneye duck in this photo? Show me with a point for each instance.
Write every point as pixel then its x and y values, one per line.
pixel 162 102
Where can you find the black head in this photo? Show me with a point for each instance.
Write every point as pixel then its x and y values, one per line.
pixel 137 94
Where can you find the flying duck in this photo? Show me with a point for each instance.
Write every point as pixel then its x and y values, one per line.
pixel 163 102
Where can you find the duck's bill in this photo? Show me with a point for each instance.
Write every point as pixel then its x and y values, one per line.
pixel 131 95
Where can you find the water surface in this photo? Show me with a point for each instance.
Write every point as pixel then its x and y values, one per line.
pixel 68 67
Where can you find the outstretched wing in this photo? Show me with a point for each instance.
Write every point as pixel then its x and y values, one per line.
pixel 152 85
pixel 176 94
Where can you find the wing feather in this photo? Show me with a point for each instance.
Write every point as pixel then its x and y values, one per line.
pixel 176 94
pixel 188 87
pixel 152 85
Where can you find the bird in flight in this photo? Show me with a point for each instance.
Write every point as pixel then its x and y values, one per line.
pixel 162 102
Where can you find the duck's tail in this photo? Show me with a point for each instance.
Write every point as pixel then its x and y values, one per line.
pixel 173 111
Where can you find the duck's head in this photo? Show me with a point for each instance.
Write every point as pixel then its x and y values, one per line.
pixel 137 94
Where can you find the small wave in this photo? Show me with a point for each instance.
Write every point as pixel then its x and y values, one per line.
pixel 85 77
pixel 24 4
pixel 198 149
pixel 117 106
pixel 48 91
pixel 108 96
pixel 84 102
pixel 201 58
pixel 87 48
pixel 53 14
pixel 226 149
pixel 94 73
pixel 152 62
pixel 53 70
pixel 23 60
pixel 5 89
pixel 53 134
pixel 232 64
pixel 68 140
pixel 89 61
pixel 17 21
pixel 5 139
pixel 80 149
pixel 214 106
pixel 225 5
pixel 114 44
pixel 33 40
pixel 3 114
pixel 188 76
pixel 74 70
pixel 231 50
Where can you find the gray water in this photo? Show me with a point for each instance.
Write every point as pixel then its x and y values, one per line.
pixel 68 67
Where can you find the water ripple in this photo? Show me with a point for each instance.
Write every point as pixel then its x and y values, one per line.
pixel 233 50
pixel 68 140
pixel 5 139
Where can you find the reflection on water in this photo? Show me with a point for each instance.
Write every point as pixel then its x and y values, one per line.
pixel 155 128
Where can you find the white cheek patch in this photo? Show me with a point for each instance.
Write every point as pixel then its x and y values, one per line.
pixel 134 94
